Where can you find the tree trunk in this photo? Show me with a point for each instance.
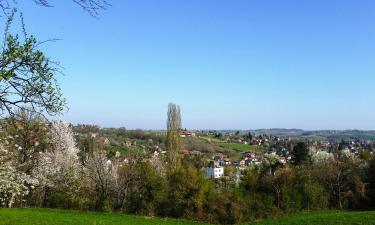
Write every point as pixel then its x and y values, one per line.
pixel 45 197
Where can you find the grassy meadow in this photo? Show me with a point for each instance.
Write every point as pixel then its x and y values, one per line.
pixel 322 218
pixel 64 217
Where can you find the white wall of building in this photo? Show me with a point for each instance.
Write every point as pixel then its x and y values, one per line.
pixel 215 172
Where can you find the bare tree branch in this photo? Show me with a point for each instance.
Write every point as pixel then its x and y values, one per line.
pixel 93 7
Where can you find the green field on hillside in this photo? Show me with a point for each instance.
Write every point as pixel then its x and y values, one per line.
pixel 238 149
pixel 63 217
pixel 322 218
pixel 237 146
pixel 211 139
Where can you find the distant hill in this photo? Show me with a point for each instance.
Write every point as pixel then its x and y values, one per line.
pixel 280 132
pixel 332 135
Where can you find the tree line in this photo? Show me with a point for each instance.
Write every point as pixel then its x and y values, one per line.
pixel 41 166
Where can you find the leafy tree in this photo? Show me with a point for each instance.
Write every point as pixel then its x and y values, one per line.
pixel 226 207
pixel 147 193
pixel 257 193
pixel 187 189
pixel 371 181
pixel 127 178
pixel 26 135
pixel 365 155
pixel 101 173
pixel 279 181
pixel 173 142
pixel 27 77
pixel 308 181
pixel 338 175
pixel 248 136
pixel 359 197
pixel 299 153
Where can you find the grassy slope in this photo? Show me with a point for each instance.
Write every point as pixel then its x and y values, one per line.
pixel 323 218
pixel 239 149
pixel 236 146
pixel 62 217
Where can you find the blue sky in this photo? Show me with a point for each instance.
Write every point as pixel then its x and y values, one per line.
pixel 240 64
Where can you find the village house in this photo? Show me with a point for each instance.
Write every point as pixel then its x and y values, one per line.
pixel 214 172
pixel 217 157
pixel 251 157
pixel 187 134
pixel 225 161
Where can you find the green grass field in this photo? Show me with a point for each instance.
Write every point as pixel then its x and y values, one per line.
pixel 63 217
pixel 238 149
pixel 322 218
pixel 236 146
pixel 211 139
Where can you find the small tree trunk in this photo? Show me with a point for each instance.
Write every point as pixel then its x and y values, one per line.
pixel 45 197
pixel 100 201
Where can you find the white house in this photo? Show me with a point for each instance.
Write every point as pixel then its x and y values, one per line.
pixel 215 172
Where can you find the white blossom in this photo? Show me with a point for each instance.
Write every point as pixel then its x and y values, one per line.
pixel 321 156
pixel 14 184
pixel 60 164
pixel 346 152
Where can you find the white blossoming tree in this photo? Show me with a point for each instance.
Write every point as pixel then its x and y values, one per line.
pixel 102 175
pixel 59 167
pixel 321 156
pixel 14 184
pixel 267 162
pixel 346 153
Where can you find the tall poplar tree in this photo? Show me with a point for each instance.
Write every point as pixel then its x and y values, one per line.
pixel 173 142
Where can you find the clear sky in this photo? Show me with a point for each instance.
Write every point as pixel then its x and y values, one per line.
pixel 239 64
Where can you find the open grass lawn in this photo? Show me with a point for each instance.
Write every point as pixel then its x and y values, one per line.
pixel 64 217
pixel 238 149
pixel 236 146
pixel 116 148
pixel 322 218
pixel 211 139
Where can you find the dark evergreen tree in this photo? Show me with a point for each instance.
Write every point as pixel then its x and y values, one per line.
pixel 299 153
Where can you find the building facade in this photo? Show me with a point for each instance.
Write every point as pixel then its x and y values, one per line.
pixel 215 172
